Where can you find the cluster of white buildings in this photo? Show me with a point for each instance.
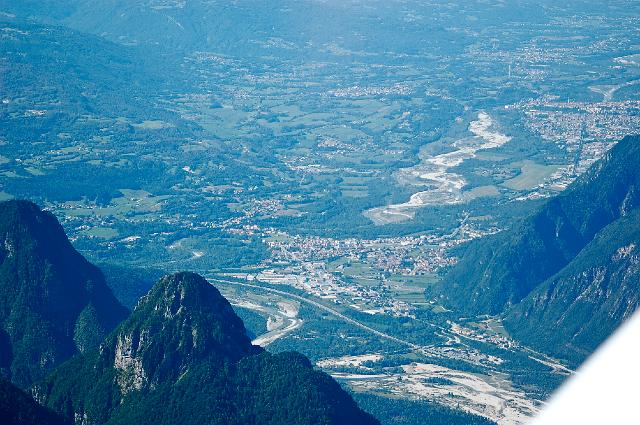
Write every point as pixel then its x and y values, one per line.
pixel 366 91
pixel 406 255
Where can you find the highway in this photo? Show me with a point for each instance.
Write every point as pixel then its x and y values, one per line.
pixel 213 279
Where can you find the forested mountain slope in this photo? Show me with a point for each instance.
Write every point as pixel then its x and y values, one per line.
pixel 497 272
pixel 571 313
pixel 568 275
pixel 53 302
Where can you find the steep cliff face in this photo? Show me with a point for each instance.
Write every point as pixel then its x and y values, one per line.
pixel 53 303
pixel 571 313
pixel 499 271
pixel 184 355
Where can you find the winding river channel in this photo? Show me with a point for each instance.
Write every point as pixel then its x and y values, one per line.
pixel 445 187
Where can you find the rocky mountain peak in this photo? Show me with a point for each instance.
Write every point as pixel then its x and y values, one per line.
pixel 182 321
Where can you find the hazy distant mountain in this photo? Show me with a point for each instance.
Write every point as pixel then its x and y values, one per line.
pixel 240 28
pixel 18 408
pixel 53 303
pixel 184 355
pixel 195 24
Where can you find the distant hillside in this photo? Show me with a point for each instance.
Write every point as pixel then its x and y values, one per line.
pixel 497 272
pixel 18 408
pixel 224 27
pixel 183 355
pixel 53 303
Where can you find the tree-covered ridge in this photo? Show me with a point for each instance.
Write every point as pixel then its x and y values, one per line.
pixel 18 408
pixel 398 411
pixel 499 271
pixel 53 302
pixel 183 355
